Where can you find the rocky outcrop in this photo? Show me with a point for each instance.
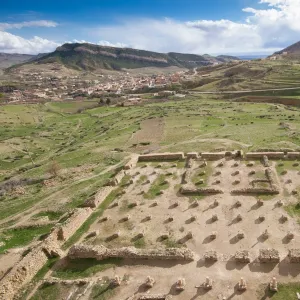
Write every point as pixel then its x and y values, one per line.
pixel 101 253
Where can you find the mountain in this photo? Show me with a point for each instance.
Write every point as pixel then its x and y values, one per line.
pixel 295 48
pixel 91 57
pixel 7 60
pixel 290 52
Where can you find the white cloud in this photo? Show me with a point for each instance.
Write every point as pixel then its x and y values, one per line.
pixel 264 30
pixel 10 43
pixel 106 43
pixel 39 23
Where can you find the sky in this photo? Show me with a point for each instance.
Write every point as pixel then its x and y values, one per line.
pixel 237 27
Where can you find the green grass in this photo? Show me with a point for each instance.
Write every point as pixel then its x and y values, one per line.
pixel 14 238
pixel 156 187
pixel 39 276
pixel 52 215
pixel 102 292
pixel 293 210
pixel 47 292
pixel 287 166
pixel 285 292
pixel 140 243
pixel 81 268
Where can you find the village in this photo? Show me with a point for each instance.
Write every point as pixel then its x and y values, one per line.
pixel 40 85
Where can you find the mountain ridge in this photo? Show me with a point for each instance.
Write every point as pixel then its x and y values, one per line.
pixel 89 57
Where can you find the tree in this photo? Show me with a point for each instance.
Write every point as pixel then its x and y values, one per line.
pixel 54 168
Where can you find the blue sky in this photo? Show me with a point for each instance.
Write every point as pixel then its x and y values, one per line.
pixel 195 26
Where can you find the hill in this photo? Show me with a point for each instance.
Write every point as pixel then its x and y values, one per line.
pixel 7 60
pixel 91 57
pixel 293 49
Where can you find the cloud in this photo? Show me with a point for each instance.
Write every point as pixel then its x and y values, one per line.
pixel 106 43
pixel 40 23
pixel 262 30
pixel 10 43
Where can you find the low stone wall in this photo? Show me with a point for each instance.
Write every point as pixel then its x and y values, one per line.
pixel 70 226
pixel 212 156
pixel 99 197
pixel 161 156
pixel 268 256
pixel 186 176
pixel 265 161
pixel 22 273
pixel 260 155
pixel 273 190
pixel 101 253
pixel 255 191
pixel 185 190
pixel 293 155
pixel 294 255
pixel 193 155
pixel 242 256
pixel 155 297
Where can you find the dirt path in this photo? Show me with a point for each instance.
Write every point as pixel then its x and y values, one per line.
pixel 245 91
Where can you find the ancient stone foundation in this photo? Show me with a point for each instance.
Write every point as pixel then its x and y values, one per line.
pixel 22 273
pixel 242 256
pixel 293 155
pixel 260 155
pixel 99 197
pixel 155 297
pixel 161 156
pixel 185 190
pixel 268 256
pixel 101 253
pixel 294 255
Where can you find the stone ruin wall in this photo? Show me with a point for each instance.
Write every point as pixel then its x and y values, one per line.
pixel 186 190
pixel 162 156
pixel 22 273
pixel 273 190
pixel 260 155
pixel 294 255
pixel 155 297
pixel 101 253
pixel 293 155
pixel 96 200
pixel 217 155
pixel 26 269
pixel 71 225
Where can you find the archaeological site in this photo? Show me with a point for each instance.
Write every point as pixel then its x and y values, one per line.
pixel 175 226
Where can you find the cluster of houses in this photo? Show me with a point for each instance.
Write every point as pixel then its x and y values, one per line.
pixel 41 86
